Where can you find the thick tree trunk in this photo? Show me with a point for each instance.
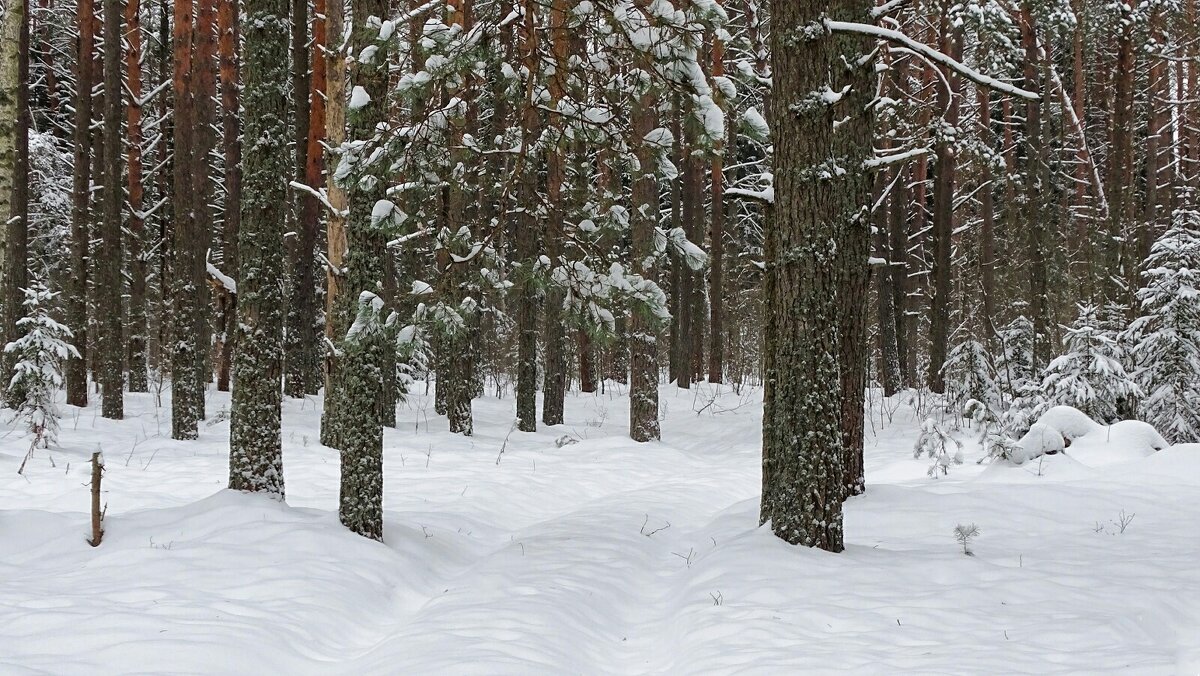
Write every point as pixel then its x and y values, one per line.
pixel 314 168
pixel 137 326
pixel 360 435
pixel 76 296
pixel 187 267
pixel 14 251
pixel 108 282
pixel 815 251
pixel 255 454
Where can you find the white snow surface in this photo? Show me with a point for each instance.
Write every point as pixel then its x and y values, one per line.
pixel 599 557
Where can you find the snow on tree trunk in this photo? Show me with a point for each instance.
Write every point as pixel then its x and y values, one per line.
pixel 816 252
pixel 255 452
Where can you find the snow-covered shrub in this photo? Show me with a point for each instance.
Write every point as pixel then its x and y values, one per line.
pixel 1041 439
pixel 1028 404
pixel 935 443
pixel 1090 375
pixel 1166 337
pixel 38 373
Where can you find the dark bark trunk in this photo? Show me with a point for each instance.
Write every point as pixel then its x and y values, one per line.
pixel 76 297
pixel 137 327
pixel 108 282
pixel 255 451
pixel 808 281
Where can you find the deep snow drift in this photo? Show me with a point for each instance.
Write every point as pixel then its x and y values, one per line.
pixel 597 557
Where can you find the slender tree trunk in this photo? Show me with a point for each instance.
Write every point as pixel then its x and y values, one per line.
pixel 816 260
pixel 987 215
pixel 314 168
pixel 301 341
pixel 555 385
pixel 1036 196
pixel 336 320
pixel 889 362
pixel 76 300
pixel 255 454
pixel 137 327
pixel 231 147
pixel 943 215
pixel 644 329
pixel 204 100
pixel 527 237
pixel 716 239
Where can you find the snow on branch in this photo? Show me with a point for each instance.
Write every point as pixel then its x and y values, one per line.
pixel 892 159
pixel 929 53
pixel 766 196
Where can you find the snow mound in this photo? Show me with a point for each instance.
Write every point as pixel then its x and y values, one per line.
pixel 1070 422
pixel 1122 441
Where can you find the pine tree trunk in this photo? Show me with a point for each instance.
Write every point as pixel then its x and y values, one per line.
pixel 186 281
pixel 815 252
pixel 644 329
pixel 555 384
pixel 231 147
pixel 360 434
pixel 12 112
pixel 314 168
pixel 527 237
pixel 76 297
pixel 301 341
pixel 1035 199
pixel 108 281
pixel 987 215
pixel 255 454
pixel 900 262
pixel 943 216
pixel 716 238
pixel 889 361
pixel 14 251
pixel 137 327
pixel 204 65
pixel 336 319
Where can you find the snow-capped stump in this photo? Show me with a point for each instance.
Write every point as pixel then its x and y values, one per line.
pixel 1041 439
pixel 1070 422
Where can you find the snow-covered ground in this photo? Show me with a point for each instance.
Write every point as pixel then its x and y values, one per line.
pixel 598 557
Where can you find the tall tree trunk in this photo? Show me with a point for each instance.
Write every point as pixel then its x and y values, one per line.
pixel 716 239
pixel 76 297
pixel 943 214
pixel 11 83
pixel 204 80
pixel 314 168
pixel 231 148
pixel 361 433
pixel 1037 193
pixel 987 214
pixel 527 234
pixel 188 264
pixel 643 328
pixel 14 251
pixel 255 454
pixel 816 260
pixel 137 327
pixel 108 281
pixel 555 384
pixel 336 321
pixel 889 361
pixel 301 341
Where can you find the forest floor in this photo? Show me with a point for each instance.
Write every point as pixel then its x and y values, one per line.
pixel 508 554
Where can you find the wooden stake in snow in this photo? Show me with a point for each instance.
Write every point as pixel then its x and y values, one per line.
pixel 97 513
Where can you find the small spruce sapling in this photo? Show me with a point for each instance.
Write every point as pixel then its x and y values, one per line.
pixel 1090 375
pixel 40 350
pixel 935 443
